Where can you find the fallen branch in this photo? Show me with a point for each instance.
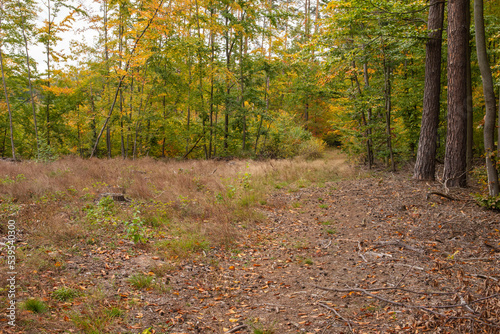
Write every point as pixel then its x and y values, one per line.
pixel 428 196
pixel 387 288
pixel 237 328
pixel 398 243
pixel 425 308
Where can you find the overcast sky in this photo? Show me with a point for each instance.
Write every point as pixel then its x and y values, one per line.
pixel 79 32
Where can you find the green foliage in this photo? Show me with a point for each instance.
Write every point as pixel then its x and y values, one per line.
pixel 46 152
pixel 312 149
pixel 285 139
pixel 489 202
pixel 135 229
pixel 34 305
pixel 65 294
pixel 141 281
pixel 101 212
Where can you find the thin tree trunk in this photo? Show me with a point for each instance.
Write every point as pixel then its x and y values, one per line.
pixel 470 110
pixel 47 111
pixel 122 78
pixel 388 108
pixel 456 138
pixel 489 99
pixel 369 151
pixel 8 106
pixel 367 121
pixel 425 167
pixel 30 87
pixel 3 142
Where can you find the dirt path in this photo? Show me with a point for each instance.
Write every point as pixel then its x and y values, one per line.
pixel 367 233
pixel 399 246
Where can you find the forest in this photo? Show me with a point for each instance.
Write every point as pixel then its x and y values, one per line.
pixel 249 166
pixel 205 78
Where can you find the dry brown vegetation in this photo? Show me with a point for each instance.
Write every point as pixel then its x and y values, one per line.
pixel 244 247
pixel 174 209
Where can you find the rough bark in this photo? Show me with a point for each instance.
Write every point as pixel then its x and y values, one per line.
pixel 489 99
pixel 456 139
pixel 426 154
pixel 470 109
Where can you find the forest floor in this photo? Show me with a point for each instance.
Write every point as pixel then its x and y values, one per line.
pixel 359 252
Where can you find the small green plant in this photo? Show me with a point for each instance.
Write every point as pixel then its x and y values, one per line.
pixel 114 312
pixel 34 305
pixel 323 206
pixel 141 281
pixel 489 202
pixel 94 320
pixel 101 212
pixel 330 230
pixel 135 229
pixel 259 328
pixel 308 261
pixel 64 294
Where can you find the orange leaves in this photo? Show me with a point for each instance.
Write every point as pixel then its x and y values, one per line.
pixel 57 91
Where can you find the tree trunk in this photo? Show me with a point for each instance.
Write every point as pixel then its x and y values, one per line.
pixel 470 110
pixel 8 107
pixel 489 99
pixel 456 138
pixel 426 155
pixel 30 88
pixel 47 111
pixel 367 121
pixel 388 109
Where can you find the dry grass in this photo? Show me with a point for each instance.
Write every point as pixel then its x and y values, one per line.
pixel 53 199
pixel 177 209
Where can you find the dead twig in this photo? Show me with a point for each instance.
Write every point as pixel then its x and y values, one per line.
pixel 398 243
pixel 425 308
pixel 387 288
pixel 237 328
pixel 337 314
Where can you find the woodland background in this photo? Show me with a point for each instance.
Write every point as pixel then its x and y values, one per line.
pixel 204 78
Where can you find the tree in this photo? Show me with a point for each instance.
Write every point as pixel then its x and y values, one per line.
pixel 426 155
pixel 489 99
pixel 455 157
pixel 5 90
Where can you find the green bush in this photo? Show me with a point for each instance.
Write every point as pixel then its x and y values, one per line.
pixel 312 149
pixel 284 139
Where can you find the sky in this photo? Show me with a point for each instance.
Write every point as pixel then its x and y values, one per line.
pixel 80 32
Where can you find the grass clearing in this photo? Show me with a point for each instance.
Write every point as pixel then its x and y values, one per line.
pixel 76 237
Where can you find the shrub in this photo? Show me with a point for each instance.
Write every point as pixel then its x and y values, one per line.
pixel 284 139
pixel 312 149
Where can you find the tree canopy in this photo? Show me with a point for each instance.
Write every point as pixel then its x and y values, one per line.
pixel 206 78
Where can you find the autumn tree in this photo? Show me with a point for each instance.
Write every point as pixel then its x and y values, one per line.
pixel 489 99
pixel 426 156
pixel 455 156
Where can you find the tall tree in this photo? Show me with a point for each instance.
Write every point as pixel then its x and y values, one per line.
pixel 455 156
pixel 489 99
pixel 5 88
pixel 425 165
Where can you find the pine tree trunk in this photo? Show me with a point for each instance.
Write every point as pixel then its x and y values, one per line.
pixel 456 139
pixel 426 155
